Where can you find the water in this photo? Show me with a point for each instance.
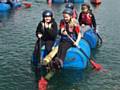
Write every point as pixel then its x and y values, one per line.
pixel 17 39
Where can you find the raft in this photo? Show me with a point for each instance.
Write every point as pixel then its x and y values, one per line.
pixel 66 1
pixel 91 37
pixel 4 7
pixel 75 58
pixel 96 1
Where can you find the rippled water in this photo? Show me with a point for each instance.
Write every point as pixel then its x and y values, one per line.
pixel 17 39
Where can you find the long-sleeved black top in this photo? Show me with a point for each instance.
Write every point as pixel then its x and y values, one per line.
pixel 48 33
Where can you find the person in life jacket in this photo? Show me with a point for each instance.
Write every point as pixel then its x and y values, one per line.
pixel 47 31
pixel 68 26
pixel 86 17
pixel 71 6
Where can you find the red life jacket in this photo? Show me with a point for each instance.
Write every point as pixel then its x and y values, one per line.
pixel 74 13
pixel 72 31
pixel 86 19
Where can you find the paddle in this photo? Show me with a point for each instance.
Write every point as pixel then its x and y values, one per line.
pixel 99 39
pixel 95 65
pixel 42 83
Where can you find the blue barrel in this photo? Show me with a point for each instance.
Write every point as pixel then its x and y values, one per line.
pixel 72 1
pixel 91 37
pixel 75 59
pixel 78 1
pixel 58 1
pixel 4 7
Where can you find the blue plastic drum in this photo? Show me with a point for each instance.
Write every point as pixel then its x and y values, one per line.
pixel 78 1
pixel 4 7
pixel 72 1
pixel 91 37
pixel 75 59
pixel 58 1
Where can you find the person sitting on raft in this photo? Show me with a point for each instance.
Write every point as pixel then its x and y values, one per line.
pixel 47 31
pixel 86 17
pixel 68 26
pixel 71 6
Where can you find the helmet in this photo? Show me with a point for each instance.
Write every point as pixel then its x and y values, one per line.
pixel 69 5
pixel 85 4
pixel 47 13
pixel 68 11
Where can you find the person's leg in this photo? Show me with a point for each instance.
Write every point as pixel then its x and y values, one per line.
pixel 64 46
pixel 57 62
pixel 48 46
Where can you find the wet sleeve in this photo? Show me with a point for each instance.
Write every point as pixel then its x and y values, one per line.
pixel 39 29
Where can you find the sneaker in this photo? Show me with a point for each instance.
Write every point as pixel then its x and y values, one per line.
pixel 57 63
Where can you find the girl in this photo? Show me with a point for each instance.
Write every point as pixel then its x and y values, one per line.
pixel 46 32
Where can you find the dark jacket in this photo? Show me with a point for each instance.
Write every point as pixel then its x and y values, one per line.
pixel 48 34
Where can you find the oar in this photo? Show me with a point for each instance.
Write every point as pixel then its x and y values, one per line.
pixel 42 83
pixel 99 38
pixel 95 65
pixel 53 52
pixel 98 35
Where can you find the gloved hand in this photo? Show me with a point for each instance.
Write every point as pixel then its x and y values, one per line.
pixel 64 32
pixel 97 31
pixel 83 25
pixel 39 35
pixel 75 43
